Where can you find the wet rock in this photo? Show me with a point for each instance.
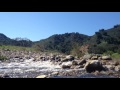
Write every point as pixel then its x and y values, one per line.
pixel 89 75
pixel 4 76
pixel 21 60
pixel 55 73
pixel 65 67
pixel 1 75
pixel 93 65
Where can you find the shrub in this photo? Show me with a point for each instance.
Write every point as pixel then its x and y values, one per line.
pixel 2 58
pixel 115 55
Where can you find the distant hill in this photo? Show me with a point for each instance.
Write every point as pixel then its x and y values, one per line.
pixel 103 41
pixel 4 40
pixel 62 42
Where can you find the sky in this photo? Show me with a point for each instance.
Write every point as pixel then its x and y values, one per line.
pixel 40 25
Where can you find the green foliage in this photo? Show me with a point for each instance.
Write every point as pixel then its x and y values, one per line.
pixel 76 51
pixel 20 48
pixel 63 43
pixel 4 40
pixel 115 55
pixel 105 41
pixel 108 53
pixel 3 58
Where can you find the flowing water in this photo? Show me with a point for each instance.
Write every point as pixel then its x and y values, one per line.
pixel 27 68
pixel 31 69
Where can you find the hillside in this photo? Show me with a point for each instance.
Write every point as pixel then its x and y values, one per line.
pixel 62 42
pixel 106 41
pixel 4 40
pixel 103 41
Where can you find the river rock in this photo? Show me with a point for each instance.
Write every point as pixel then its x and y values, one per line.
pixel 83 61
pixel 117 63
pixel 117 68
pixel 65 67
pixel 55 73
pixel 68 58
pixel 42 76
pixel 110 67
pixel 88 56
pixel 94 57
pixel 74 62
pixel 4 76
pixel 93 65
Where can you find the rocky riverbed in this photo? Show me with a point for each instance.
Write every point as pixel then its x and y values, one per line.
pixel 26 64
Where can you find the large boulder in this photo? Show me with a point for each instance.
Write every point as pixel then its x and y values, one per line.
pixel 69 63
pixel 68 58
pixel 66 65
pixel 93 65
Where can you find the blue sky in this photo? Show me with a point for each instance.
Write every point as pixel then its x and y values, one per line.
pixel 40 25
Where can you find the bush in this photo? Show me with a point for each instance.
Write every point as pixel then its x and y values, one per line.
pixel 108 53
pixel 2 58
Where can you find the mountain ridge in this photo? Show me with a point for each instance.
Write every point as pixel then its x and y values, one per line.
pixel 102 41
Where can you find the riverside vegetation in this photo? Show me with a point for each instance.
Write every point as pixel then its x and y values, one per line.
pixel 82 54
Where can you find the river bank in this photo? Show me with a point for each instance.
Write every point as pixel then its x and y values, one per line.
pixel 22 64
